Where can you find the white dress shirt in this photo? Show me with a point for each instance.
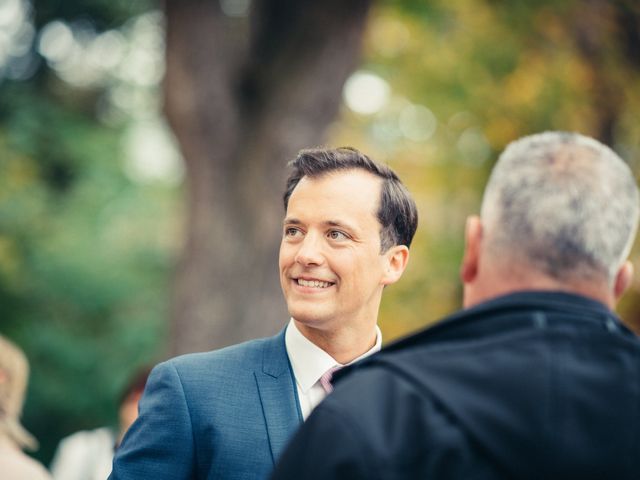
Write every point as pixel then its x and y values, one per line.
pixel 309 362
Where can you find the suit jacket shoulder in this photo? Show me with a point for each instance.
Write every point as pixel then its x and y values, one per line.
pixel 220 414
pixel 232 361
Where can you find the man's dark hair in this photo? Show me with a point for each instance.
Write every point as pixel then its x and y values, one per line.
pixel 397 212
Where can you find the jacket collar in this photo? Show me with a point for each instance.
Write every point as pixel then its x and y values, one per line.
pixel 502 310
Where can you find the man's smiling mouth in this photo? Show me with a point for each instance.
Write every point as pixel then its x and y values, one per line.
pixel 312 283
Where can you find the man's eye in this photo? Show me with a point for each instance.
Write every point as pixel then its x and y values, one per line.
pixel 337 235
pixel 291 232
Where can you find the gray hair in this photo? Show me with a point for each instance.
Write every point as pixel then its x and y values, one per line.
pixel 565 203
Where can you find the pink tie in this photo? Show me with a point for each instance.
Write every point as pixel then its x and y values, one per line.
pixel 325 379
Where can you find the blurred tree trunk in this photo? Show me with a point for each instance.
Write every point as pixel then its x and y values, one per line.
pixel 605 32
pixel 243 94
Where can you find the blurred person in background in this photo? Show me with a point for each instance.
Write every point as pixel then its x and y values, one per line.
pixel 14 377
pixel 87 455
pixel 537 378
pixel 227 414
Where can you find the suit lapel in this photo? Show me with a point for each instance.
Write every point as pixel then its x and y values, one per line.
pixel 278 395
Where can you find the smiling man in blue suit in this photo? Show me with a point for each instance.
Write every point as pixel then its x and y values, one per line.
pixel 227 414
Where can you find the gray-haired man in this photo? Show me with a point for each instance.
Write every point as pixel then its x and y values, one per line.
pixel 537 378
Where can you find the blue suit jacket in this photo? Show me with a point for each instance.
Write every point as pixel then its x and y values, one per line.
pixel 222 414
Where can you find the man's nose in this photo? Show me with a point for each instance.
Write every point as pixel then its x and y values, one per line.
pixel 310 251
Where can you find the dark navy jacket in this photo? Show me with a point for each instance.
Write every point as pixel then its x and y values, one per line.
pixel 534 385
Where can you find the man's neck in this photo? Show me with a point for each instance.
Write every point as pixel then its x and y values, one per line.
pixel 507 282
pixel 344 344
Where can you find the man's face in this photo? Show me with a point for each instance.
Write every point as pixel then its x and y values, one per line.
pixel 331 269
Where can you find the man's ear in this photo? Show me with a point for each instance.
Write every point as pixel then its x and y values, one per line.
pixel 623 280
pixel 473 242
pixel 396 259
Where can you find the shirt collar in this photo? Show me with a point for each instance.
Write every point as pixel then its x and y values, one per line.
pixel 309 361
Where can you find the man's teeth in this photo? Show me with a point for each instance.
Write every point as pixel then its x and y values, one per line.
pixel 313 283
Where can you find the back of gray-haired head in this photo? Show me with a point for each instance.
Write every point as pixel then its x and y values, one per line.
pixel 563 202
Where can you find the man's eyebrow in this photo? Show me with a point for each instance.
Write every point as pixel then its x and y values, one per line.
pixel 329 223
pixel 340 224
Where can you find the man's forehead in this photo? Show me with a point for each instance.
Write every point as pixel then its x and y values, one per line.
pixel 349 178
pixel 337 196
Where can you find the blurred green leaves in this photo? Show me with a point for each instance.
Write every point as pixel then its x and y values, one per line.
pixel 85 256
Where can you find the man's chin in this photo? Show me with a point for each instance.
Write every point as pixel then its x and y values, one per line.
pixel 309 319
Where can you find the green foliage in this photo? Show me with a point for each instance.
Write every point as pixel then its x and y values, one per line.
pixel 102 14
pixel 84 261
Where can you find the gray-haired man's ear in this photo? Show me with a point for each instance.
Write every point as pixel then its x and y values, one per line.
pixel 473 241
pixel 623 280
